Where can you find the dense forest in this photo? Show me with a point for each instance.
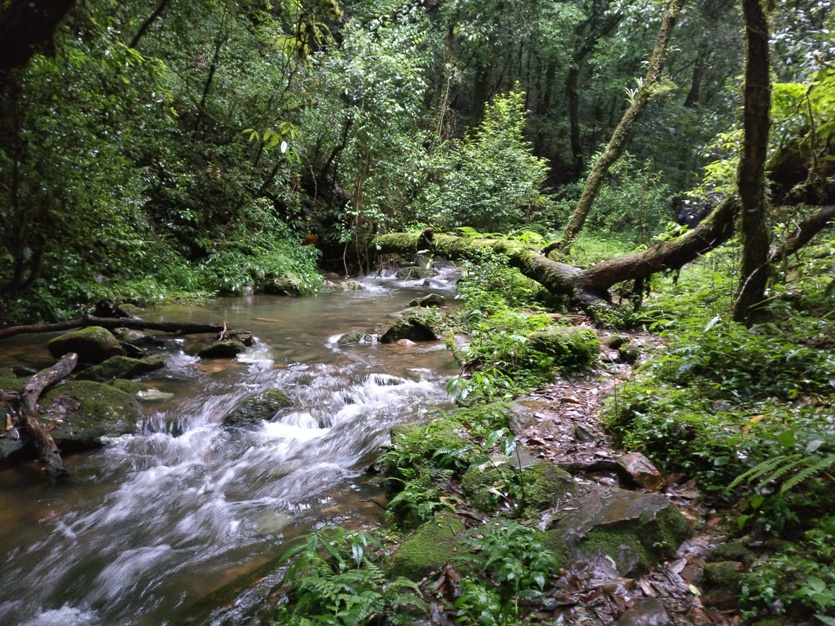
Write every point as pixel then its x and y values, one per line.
pixel 656 165
pixel 157 149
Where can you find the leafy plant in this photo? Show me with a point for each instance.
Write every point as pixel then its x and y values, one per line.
pixel 333 579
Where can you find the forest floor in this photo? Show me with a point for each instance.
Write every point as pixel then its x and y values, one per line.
pixel 568 432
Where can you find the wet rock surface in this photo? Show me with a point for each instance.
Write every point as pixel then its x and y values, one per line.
pixel 93 345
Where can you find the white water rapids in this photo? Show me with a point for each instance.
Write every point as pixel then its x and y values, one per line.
pixel 155 528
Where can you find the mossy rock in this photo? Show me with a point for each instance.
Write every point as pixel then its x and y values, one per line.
pixel 83 412
pixel 129 386
pixel 134 337
pixel 429 300
pixel 130 310
pixel 636 530
pixel 121 367
pixel 570 347
pixel 351 338
pixel 260 407
pixel 93 345
pixel 483 483
pixel 227 349
pixel 410 328
pixel 427 549
pixel 544 486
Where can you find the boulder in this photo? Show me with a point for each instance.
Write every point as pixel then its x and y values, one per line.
pixel 81 413
pixel 432 299
pixel 351 338
pixel 261 407
pixel 571 347
pixel 227 349
pixel 636 530
pixel 93 345
pixel 134 337
pixel 428 548
pixel 409 328
pixel 121 367
pixel 641 470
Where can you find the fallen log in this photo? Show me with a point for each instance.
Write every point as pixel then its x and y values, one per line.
pixel 50 456
pixel 135 323
pixel 588 287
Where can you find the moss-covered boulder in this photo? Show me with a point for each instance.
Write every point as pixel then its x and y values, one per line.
pixel 81 413
pixel 571 347
pixel 227 349
pixel 544 486
pixel 428 548
pixel 352 338
pixel 411 328
pixel 261 407
pixel 93 345
pixel 134 337
pixel 429 300
pixel 121 367
pixel 636 530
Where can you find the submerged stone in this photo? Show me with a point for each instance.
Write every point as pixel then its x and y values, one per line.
pixel 260 407
pixel 121 367
pixel 93 344
pixel 228 349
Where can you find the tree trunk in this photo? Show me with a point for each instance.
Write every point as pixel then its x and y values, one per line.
pixel 589 288
pixel 751 176
pixel 183 328
pixel 617 143
pixel 50 457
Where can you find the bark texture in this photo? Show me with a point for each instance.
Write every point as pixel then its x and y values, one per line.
pixel 754 230
pixel 617 144
pixel 50 456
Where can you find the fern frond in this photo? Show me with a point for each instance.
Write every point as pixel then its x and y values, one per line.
pixel 762 468
pixel 820 466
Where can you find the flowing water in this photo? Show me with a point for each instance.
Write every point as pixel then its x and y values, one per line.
pixel 176 524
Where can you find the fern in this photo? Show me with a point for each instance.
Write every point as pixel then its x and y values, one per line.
pixel 816 467
pixel 772 470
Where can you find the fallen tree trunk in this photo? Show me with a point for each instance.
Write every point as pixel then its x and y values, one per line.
pixel 182 328
pixel 50 456
pixel 588 287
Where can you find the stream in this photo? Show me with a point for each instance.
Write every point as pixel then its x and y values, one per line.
pixel 184 522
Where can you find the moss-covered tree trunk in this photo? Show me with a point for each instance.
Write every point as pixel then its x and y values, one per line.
pixel 617 143
pixel 587 287
pixel 751 175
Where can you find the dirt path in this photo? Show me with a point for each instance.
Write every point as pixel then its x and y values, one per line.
pixel 562 425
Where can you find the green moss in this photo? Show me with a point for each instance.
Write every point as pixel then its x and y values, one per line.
pixel 572 348
pixel 483 483
pixel 544 485
pixel 427 549
pixel 121 367
pixel 93 344
pixel 89 411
